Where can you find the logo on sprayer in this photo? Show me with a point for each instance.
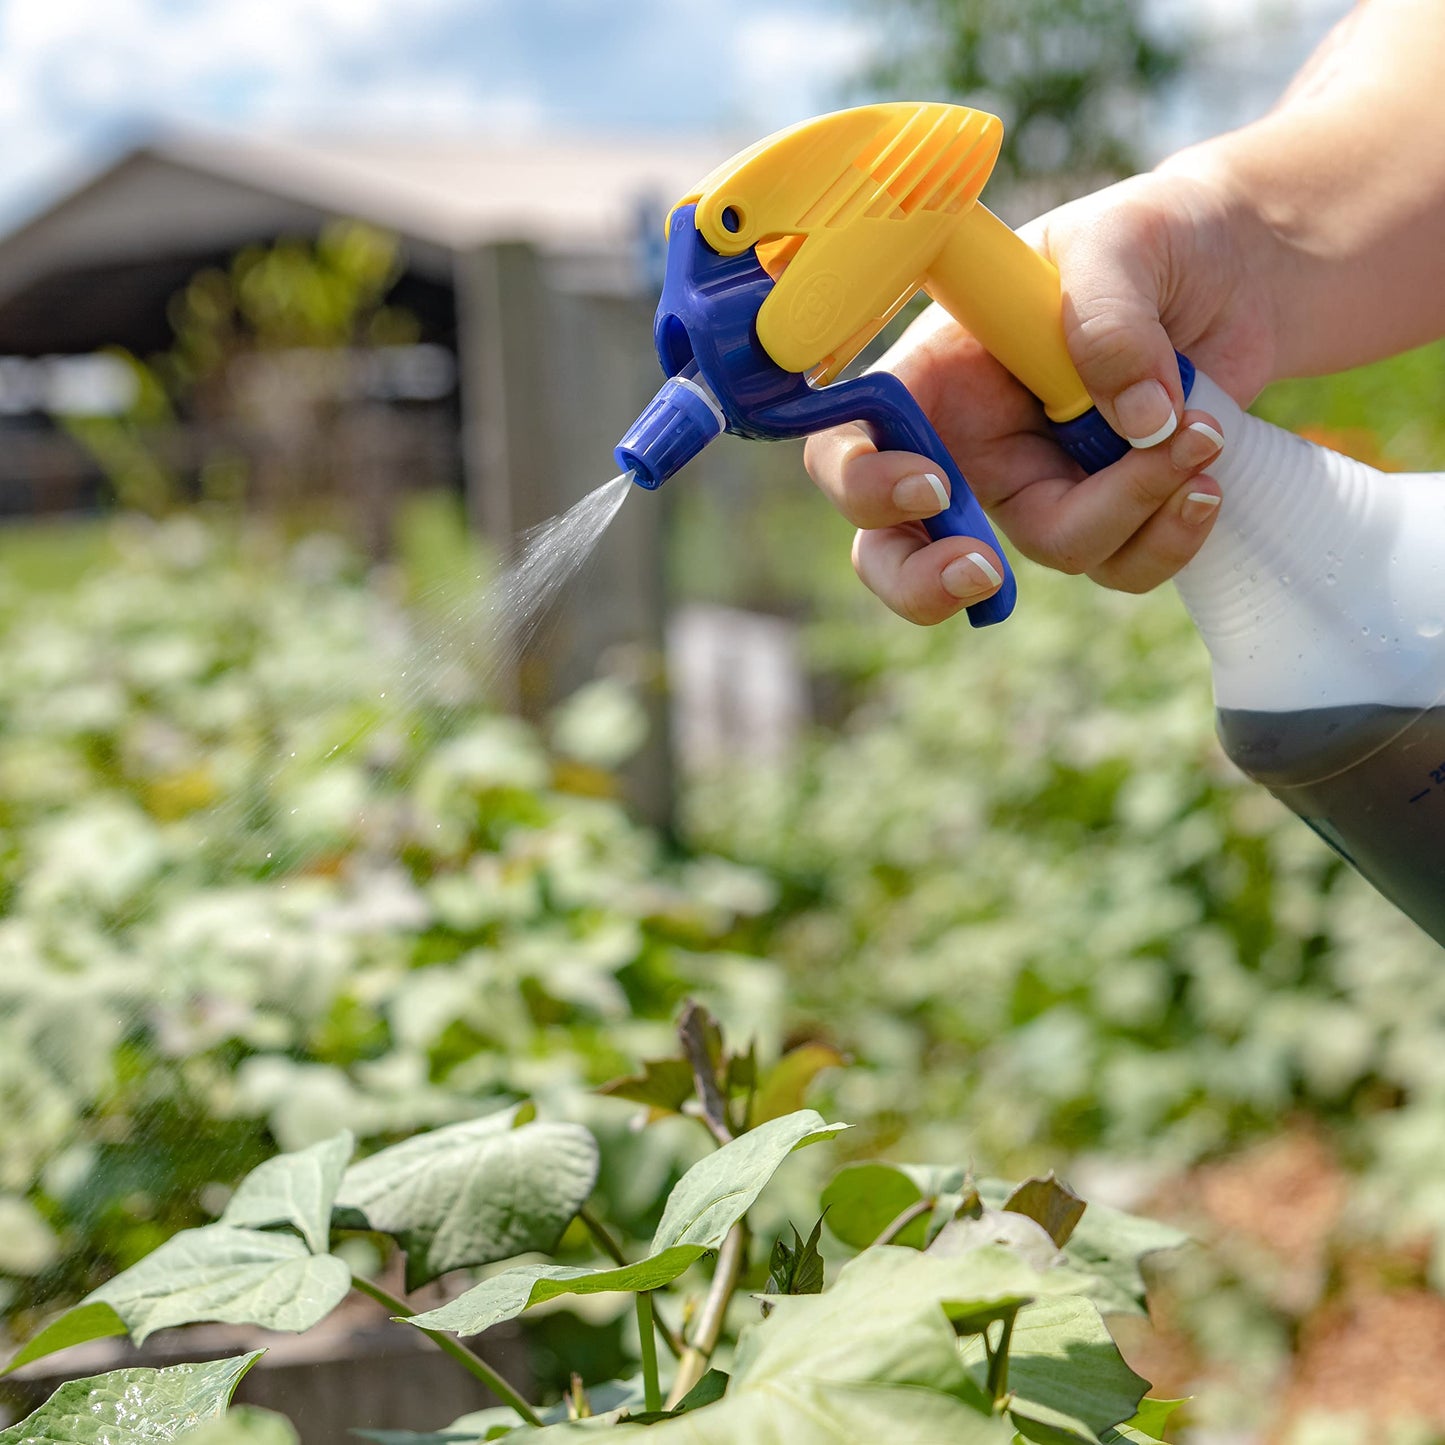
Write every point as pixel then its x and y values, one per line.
pixel 815 308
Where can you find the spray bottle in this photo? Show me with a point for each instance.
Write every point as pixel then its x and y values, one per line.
pixel 1319 592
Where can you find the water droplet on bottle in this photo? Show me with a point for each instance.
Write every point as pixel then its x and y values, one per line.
pixel 1432 627
pixel 1330 579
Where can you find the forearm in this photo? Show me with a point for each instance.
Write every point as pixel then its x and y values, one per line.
pixel 1342 189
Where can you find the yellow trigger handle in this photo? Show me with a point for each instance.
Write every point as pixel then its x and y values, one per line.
pixel 1008 296
pixel 856 211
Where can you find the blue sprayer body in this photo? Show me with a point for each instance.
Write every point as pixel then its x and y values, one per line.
pixel 706 337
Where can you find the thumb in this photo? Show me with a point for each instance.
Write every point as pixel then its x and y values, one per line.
pixel 1113 270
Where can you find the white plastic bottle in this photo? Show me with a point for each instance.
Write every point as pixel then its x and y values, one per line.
pixel 1321 597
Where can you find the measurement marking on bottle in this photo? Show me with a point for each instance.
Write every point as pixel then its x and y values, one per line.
pixel 1423 793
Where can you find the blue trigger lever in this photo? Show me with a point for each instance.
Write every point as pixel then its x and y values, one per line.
pixel 719 376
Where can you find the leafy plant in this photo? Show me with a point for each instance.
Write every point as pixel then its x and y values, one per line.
pixel 987 1327
pixel 272 866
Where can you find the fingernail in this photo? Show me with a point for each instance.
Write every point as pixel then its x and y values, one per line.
pixel 923 495
pixel 1199 507
pixel 1145 413
pixel 1197 444
pixel 970 577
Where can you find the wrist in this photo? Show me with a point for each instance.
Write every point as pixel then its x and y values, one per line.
pixel 1252 245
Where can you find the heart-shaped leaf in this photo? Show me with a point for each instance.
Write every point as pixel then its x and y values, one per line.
pixel 862 1200
pixel 1111 1246
pixel 721 1187
pixel 704 1204
pixel 133 1405
pixel 506 1295
pixel 296 1189
pixel 217 1274
pixel 227 1276
pixel 1063 1359
pixel 472 1193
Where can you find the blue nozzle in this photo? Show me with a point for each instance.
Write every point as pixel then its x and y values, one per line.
pixel 673 428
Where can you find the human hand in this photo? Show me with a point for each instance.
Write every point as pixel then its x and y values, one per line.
pixel 1154 262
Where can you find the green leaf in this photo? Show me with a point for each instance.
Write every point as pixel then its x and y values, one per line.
pixel 663 1084
pixel 1063 1359
pixel 473 1193
pixel 245 1425
pixel 296 1189
pixel 862 1200
pixel 227 1276
pixel 85 1322
pixel 721 1187
pixel 1110 1245
pixel 784 1087
pixel 1045 1426
pixel 874 1358
pixel 708 1391
pixel 704 1204
pixel 796 1268
pixel 1148 1425
pixel 1017 1232
pixel 893 1315
pixel 217 1274
pixel 1050 1204
pixel 133 1405
pixel 1154 1415
pixel 506 1295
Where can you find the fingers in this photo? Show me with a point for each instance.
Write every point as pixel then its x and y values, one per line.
pixel 923 581
pixel 1078 525
pixel 1130 527
pixel 872 488
pixel 1114 251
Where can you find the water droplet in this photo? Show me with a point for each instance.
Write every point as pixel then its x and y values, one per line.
pixel 1330 579
pixel 1432 627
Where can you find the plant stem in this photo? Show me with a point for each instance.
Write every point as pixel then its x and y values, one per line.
pixel 693 1364
pixel 901 1222
pixel 651 1389
pixel 998 1362
pixel 599 1232
pixel 458 1351
pixel 613 1251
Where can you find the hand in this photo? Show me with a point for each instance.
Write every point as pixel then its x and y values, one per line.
pixel 1157 261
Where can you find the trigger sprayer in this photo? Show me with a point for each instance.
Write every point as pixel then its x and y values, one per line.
pixel 1319 592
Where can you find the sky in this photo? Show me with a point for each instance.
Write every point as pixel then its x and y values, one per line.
pixel 80 79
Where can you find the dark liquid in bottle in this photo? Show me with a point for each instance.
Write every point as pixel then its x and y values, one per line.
pixel 1370 780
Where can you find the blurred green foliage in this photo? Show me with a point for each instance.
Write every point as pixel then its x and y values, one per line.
pixel 298 307
pixel 1065 76
pixel 270 866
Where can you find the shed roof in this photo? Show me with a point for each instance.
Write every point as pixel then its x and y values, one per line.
pixel 185 196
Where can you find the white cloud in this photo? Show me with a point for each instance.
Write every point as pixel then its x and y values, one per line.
pixel 800 60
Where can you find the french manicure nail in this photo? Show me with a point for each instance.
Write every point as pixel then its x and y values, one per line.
pixel 1145 413
pixel 1197 444
pixel 971 577
pixel 1199 507
pixel 922 495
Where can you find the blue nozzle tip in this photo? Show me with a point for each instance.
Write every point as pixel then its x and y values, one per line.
pixel 673 428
